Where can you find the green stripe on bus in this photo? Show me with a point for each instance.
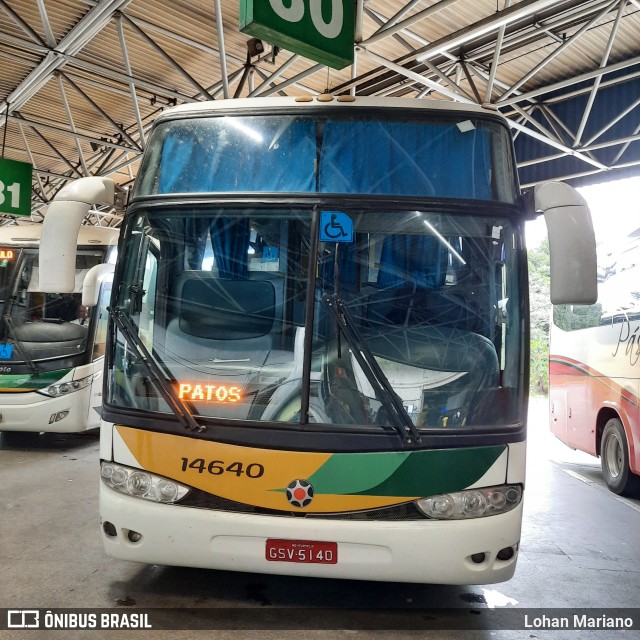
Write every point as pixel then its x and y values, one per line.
pixel 32 380
pixel 411 473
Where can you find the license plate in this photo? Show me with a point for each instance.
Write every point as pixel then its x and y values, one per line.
pixel 306 551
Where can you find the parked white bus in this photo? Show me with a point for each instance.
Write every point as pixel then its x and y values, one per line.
pixel 51 346
pixel 594 369
pixel 318 359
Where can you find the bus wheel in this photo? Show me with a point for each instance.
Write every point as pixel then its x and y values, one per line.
pixel 614 457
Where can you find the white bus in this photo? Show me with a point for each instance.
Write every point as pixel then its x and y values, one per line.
pixel 594 377
pixel 51 346
pixel 318 350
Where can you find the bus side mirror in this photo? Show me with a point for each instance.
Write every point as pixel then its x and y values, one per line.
pixel 59 238
pixel 572 243
pixel 92 281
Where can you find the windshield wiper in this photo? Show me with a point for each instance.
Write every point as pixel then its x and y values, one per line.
pixel 6 317
pixel 369 365
pixel 157 376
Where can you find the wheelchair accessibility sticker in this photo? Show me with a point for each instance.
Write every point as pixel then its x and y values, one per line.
pixel 6 351
pixel 335 226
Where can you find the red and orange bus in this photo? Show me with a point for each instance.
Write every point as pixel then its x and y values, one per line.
pixel 594 370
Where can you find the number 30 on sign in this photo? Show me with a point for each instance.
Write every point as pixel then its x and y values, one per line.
pixel 318 29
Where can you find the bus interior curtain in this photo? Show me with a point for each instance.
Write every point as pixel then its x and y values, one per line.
pixel 230 243
pixel 412 261
pixel 480 275
pixel 409 159
pixel 273 156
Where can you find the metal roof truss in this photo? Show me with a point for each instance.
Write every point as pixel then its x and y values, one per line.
pixel 84 79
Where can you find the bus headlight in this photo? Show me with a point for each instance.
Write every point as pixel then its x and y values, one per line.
pixel 141 484
pixel 473 503
pixel 65 388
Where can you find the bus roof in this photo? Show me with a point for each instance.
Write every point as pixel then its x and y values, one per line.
pixel 29 234
pixel 324 101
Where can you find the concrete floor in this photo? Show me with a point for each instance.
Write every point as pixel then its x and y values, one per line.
pixel 580 549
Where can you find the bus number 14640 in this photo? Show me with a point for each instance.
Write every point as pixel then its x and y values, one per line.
pixel 218 467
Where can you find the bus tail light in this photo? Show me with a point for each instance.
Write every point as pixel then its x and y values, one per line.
pixel 473 503
pixel 141 484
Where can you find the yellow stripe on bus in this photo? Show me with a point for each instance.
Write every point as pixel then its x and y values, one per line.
pixel 244 474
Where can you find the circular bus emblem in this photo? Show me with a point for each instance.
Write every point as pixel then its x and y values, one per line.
pixel 299 493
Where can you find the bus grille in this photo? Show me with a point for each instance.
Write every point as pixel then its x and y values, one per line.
pixel 202 500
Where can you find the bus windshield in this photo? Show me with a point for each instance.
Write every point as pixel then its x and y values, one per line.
pixel 461 156
pixel 38 327
pixel 219 295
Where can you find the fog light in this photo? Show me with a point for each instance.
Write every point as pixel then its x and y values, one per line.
pixel 478 558
pixel 109 529
pixel 134 536
pixel 506 554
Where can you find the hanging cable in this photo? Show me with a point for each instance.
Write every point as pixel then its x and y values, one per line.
pixel 4 133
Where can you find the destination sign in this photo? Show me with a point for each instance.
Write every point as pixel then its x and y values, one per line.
pixel 196 392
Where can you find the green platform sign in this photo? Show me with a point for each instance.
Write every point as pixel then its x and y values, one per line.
pixel 15 187
pixel 322 30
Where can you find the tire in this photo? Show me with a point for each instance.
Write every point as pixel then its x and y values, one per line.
pixel 614 458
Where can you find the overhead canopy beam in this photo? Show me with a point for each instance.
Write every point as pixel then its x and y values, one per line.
pixel 558 145
pixel 87 27
pixel 563 84
pixel 46 25
pixel 102 112
pixel 505 17
pixel 476 58
pixel 132 87
pixel 416 77
pixel 556 52
pixel 223 57
pixel 35 124
pixel 395 26
pixel 23 25
pixel 181 70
